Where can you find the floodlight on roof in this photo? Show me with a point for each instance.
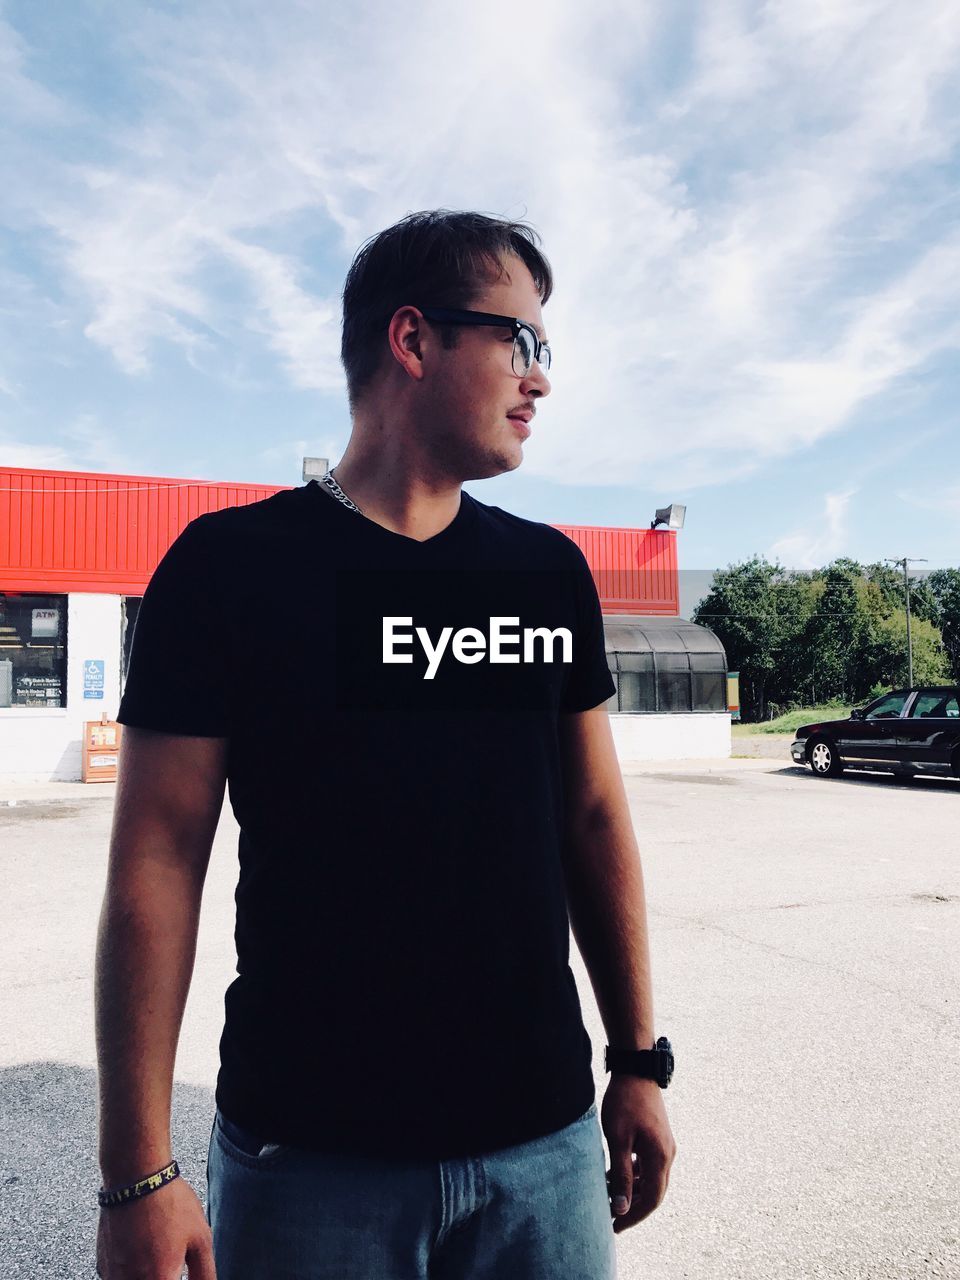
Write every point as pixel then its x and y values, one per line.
pixel 672 516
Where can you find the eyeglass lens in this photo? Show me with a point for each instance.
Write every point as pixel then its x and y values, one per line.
pixel 524 351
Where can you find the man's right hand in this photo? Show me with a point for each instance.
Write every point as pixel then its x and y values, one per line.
pixel 170 792
pixel 161 1237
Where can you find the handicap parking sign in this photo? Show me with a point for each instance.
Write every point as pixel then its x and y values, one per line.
pixel 93 678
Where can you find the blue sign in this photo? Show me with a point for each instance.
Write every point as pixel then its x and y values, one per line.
pixel 93 678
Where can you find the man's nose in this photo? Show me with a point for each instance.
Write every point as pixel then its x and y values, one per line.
pixel 536 382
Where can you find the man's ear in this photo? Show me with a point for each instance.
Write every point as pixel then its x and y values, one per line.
pixel 405 334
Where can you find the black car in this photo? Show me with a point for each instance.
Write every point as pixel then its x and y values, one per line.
pixel 906 731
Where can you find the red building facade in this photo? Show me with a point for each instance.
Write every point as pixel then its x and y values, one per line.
pixel 78 548
pixel 65 531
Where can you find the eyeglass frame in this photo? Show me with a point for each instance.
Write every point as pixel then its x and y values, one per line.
pixel 454 315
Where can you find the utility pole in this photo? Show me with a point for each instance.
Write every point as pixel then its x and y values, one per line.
pixel 904 561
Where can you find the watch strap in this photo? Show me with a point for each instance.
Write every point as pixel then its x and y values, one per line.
pixel 649 1064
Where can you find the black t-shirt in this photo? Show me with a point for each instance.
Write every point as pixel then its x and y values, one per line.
pixel 404 986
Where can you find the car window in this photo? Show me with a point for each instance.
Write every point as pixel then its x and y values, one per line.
pixel 936 705
pixel 887 707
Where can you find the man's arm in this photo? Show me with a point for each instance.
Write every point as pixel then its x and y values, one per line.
pixel 608 915
pixel 604 880
pixel 169 796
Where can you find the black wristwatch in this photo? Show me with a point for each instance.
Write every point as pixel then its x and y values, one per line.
pixel 651 1064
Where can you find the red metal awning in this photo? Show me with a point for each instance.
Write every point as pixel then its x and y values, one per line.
pixel 65 531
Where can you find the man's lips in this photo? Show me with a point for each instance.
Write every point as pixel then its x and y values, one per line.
pixel 521 423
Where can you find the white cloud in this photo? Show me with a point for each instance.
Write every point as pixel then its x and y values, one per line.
pixel 304 331
pixel 742 260
pixel 943 499
pixel 21 97
pixel 95 447
pixel 85 444
pixel 19 453
pixel 29 323
pixel 821 539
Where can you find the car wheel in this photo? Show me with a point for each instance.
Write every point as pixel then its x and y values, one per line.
pixel 824 760
pixel 955 763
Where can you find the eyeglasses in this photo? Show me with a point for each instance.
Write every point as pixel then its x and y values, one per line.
pixel 527 346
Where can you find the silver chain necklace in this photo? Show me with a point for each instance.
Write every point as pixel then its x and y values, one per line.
pixel 338 493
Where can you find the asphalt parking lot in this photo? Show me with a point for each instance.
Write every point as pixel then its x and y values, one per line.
pixel 806 948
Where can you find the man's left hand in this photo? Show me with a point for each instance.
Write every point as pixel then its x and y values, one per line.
pixel 634 1122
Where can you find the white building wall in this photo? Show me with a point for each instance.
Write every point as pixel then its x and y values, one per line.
pixel 38 744
pixel 41 745
pixel 679 736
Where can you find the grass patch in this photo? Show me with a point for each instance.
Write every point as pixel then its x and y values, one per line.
pixel 791 721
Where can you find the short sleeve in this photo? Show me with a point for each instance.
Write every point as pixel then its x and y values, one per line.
pixel 589 681
pixel 177 679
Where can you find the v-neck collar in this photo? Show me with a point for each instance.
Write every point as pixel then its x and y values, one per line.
pixel 371 528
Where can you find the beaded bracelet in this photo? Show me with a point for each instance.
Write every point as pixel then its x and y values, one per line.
pixel 136 1190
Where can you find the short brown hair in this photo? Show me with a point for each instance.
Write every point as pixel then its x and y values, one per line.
pixel 438 257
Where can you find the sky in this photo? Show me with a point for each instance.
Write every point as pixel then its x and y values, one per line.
pixel 751 211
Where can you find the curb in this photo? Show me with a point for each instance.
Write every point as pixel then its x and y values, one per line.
pixel 734 761
pixel 32 795
pixel 25 800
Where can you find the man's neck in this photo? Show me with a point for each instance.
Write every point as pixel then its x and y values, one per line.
pixel 415 515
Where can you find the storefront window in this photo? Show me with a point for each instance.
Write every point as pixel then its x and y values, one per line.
pixel 33 650
pixel 676 668
pixel 635 682
pixel 709 682
pixel 673 682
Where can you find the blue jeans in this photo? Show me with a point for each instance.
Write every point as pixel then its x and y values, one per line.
pixel 536 1211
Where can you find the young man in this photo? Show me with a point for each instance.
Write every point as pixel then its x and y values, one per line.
pixel 405 689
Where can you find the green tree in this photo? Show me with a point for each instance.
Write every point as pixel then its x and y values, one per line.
pixel 755 608
pixel 856 643
pixel 923 601
pixel 889 580
pixel 833 634
pixel 837 639
pixel 944 586
pixel 797 596
pixel 931 664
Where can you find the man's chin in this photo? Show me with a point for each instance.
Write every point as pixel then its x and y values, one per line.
pixel 491 465
pixel 504 463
